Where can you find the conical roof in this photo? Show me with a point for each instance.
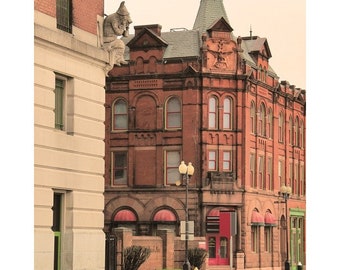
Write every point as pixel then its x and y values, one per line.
pixel 208 12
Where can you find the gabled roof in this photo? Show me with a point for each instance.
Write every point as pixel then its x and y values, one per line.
pixel 180 44
pixel 255 44
pixel 211 16
pixel 156 40
pixel 220 25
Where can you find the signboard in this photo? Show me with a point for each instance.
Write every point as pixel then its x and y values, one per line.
pixel 190 230
pixel 228 223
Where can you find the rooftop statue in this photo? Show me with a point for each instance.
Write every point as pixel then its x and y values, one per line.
pixel 116 24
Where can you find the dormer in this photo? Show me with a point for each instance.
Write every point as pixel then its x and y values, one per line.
pixel 147 42
pixel 258 49
pixel 220 29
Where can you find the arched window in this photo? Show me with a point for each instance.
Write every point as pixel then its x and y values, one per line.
pixel 262 120
pixel 281 122
pixel 290 131
pixel 119 115
pixel 139 65
pixel 126 218
pixel 173 113
pixel 252 117
pixel 213 114
pixel 261 182
pixel 227 113
pixel 164 219
pixel 296 131
pixel 302 135
pixel 270 124
pixel 260 71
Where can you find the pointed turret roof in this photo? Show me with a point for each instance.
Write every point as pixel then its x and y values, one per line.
pixel 208 12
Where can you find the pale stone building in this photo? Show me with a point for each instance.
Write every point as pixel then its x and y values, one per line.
pixel 69 97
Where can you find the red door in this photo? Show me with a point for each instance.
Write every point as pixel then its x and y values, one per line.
pixel 218 249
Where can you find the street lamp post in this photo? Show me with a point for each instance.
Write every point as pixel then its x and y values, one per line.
pixel 285 192
pixel 186 172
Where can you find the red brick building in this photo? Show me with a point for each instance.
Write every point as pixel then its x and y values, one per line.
pixel 207 97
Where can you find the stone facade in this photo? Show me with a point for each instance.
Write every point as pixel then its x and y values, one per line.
pixel 69 155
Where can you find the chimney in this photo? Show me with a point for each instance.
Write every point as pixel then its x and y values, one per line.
pixel 156 28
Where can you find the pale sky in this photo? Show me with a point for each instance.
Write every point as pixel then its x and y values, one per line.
pixel 282 22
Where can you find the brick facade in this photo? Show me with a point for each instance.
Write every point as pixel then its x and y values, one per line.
pixel 242 129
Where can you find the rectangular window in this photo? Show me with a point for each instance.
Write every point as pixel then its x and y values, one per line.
pixel 57 228
pixel 226 161
pixel 281 127
pixel 174 115
pixel 268 231
pixel 270 173
pixel 295 187
pixel 63 102
pixel 172 163
pixel 64 15
pixel 212 113
pixel 252 170
pixel 118 168
pixel 302 180
pixel 281 173
pixel 255 238
pixel 212 159
pixel 290 173
pixel 261 172
pixel 227 114
pixel 59 114
pixel 120 115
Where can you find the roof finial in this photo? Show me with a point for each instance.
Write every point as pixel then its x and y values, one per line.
pixel 251 33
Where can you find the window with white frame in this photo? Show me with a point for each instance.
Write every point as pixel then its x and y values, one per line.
pixel 212 160
pixel 227 161
pixel 119 115
pixel 173 159
pixel 119 168
pixel 173 113
pixel 213 113
pixel 227 113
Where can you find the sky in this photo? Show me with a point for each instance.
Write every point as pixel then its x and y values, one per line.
pixel 282 22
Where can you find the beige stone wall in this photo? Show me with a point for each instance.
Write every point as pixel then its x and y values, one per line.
pixel 70 161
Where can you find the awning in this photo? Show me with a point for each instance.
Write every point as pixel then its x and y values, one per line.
pixel 257 219
pixel 214 213
pixel 164 215
pixel 125 215
pixel 269 219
